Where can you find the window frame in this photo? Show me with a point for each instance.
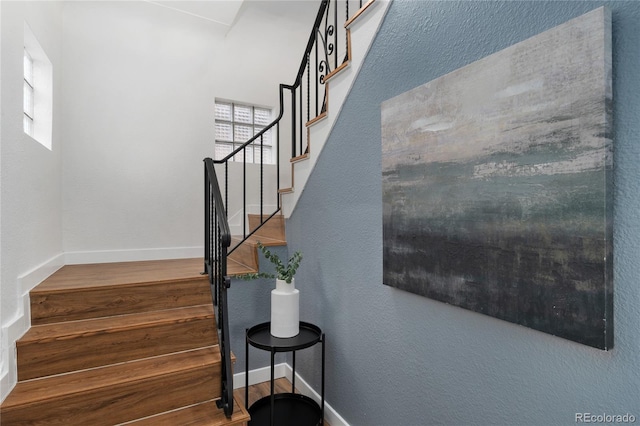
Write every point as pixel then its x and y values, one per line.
pixel 28 109
pixel 41 129
pixel 234 142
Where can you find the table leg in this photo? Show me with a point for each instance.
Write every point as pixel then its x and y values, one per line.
pixel 246 369
pixel 322 386
pixel 293 375
pixel 273 398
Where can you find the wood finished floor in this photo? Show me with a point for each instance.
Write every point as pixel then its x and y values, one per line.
pixel 261 390
pixel 71 277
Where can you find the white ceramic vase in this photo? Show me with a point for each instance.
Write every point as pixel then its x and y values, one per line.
pixel 285 309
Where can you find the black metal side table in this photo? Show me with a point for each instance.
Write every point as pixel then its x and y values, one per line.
pixel 284 409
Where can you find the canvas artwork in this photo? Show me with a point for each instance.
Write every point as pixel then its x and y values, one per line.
pixel 497 184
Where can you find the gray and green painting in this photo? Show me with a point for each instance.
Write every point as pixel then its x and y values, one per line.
pixel 497 184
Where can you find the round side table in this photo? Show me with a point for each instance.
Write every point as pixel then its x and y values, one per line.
pixel 284 409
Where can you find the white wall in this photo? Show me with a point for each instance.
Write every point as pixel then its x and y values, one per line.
pixel 139 86
pixel 140 83
pixel 31 197
pixel 134 89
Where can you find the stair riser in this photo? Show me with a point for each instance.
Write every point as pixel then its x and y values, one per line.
pixel 58 306
pixel 53 356
pixel 122 402
pixel 274 228
pixel 246 255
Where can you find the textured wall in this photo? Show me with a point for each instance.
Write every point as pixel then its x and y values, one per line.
pixel 31 196
pixel 396 358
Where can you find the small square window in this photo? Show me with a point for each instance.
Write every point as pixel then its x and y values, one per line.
pixel 235 124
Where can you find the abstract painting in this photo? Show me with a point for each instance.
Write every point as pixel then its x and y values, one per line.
pixel 497 184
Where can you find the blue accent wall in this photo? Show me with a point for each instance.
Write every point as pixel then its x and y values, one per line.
pixel 395 358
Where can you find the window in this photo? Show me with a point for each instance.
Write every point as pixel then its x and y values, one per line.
pixel 236 124
pixel 28 90
pixel 37 120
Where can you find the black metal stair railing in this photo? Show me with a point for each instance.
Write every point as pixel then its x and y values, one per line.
pixel 217 239
pixel 299 104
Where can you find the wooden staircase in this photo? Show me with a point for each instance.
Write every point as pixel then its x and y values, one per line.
pixel 119 343
pixel 127 343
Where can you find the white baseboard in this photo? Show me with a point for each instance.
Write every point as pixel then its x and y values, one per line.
pixel 261 375
pixel 40 273
pixel 15 328
pixel 109 256
pixel 6 385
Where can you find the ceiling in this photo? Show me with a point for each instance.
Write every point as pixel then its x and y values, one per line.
pixel 222 12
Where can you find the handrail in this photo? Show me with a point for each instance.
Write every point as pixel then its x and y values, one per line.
pixel 307 100
pixel 295 85
pixel 217 240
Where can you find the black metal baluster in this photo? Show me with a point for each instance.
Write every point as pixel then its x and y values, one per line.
pixel 335 33
pixel 346 33
pixel 217 267
pixel 301 123
pixel 278 159
pixel 308 86
pixel 328 32
pixel 206 220
pixel 261 177
pixel 226 187
pixel 293 123
pixel 317 68
pixel 244 192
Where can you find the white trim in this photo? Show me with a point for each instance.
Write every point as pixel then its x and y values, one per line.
pixel 261 375
pixel 20 324
pixel 134 255
pixel 28 280
pixel 330 414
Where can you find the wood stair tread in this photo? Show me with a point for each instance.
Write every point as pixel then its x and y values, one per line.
pixel 358 13
pixel 54 331
pixel 299 158
pixel 73 277
pixel 316 119
pixel 255 239
pixel 203 414
pixel 32 391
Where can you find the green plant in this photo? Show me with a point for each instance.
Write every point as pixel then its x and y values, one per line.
pixel 283 272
